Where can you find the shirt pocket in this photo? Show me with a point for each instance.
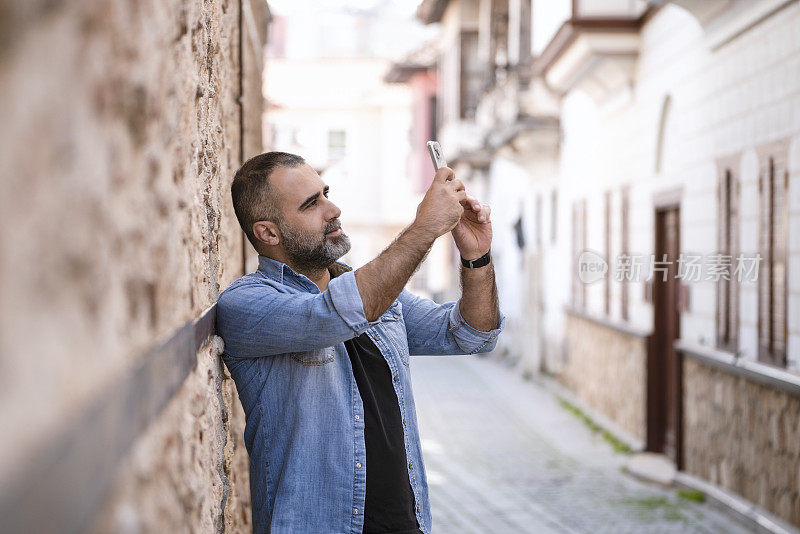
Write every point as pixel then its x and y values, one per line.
pixel 314 357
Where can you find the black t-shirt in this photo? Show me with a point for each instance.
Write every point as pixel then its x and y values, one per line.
pixel 389 506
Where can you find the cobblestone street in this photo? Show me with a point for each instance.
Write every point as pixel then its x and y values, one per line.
pixel 503 455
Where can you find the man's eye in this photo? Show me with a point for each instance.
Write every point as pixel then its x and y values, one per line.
pixel 312 203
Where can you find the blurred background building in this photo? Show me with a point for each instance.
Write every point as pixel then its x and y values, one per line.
pixel 330 100
pixel 629 128
pixel 633 128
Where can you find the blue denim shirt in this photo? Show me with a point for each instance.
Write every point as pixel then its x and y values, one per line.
pixel 284 348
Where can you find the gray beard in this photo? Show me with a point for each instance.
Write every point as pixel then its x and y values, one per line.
pixel 306 252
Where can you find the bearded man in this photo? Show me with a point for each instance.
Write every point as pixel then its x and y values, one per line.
pixel 320 353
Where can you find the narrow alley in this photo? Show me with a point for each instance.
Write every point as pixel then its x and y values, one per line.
pixel 503 455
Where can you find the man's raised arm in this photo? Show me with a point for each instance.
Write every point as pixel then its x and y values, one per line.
pixel 479 305
pixel 473 236
pixel 381 280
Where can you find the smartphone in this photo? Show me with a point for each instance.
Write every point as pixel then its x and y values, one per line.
pixel 437 157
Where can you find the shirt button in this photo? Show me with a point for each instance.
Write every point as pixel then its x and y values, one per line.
pixel 417 508
pixel 355 511
pixel 404 420
pixel 358 464
pixel 396 378
pixel 409 465
pixel 358 417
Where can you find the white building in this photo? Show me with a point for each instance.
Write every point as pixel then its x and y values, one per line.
pixel 636 129
pixel 328 101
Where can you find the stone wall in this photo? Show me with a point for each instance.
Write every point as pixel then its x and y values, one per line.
pixel 123 124
pixel 606 368
pixel 743 436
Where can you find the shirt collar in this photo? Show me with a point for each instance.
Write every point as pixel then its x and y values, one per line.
pixel 277 270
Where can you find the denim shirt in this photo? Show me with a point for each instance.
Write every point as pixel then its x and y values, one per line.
pixel 284 347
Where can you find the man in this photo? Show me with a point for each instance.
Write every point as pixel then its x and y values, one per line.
pixel 320 353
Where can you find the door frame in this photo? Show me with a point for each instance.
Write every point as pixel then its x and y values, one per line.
pixel 658 361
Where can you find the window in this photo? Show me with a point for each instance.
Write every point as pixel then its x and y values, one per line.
pixel 470 82
pixel 524 31
pixel 498 57
pixel 553 215
pixel 608 252
pixel 625 247
pixel 337 144
pixel 433 113
pixel 539 220
pixel 773 240
pixel 728 237
pixel 578 246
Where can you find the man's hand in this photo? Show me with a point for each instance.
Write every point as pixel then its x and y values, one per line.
pixel 441 209
pixel 381 280
pixel 473 233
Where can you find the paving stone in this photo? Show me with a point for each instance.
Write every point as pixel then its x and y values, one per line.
pixel 503 455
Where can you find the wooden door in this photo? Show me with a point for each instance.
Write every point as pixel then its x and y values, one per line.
pixel 664 406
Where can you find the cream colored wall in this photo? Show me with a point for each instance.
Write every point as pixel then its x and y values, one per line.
pixel 121 133
pixel 726 101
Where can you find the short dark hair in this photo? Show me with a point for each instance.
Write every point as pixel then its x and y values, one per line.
pixel 252 199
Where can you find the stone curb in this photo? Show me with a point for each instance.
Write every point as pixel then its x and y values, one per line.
pixel 750 513
pixel 761 520
pixel 561 392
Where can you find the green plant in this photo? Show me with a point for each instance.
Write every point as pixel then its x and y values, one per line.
pixel 692 495
pixel 617 445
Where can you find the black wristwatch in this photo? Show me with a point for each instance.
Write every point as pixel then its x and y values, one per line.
pixel 480 262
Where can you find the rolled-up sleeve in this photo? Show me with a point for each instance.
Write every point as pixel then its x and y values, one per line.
pixel 470 339
pixel 256 319
pixel 347 301
pixel 433 328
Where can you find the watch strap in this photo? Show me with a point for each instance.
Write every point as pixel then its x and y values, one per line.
pixel 477 263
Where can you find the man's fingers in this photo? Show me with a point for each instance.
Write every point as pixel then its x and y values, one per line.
pixel 461 196
pixel 444 174
pixel 472 203
pixel 458 186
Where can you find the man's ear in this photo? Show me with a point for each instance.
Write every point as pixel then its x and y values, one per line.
pixel 267 232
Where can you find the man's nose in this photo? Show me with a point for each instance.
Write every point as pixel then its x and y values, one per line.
pixel 334 211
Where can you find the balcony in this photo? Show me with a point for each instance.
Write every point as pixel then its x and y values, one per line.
pixel 595 55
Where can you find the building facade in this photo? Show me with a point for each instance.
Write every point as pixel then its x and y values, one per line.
pixel 643 163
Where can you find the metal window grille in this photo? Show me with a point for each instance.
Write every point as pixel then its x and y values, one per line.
pixel 539 220
pixel 470 74
pixel 578 244
pixel 553 215
pixel 727 316
pixel 608 251
pixel 773 241
pixel 625 248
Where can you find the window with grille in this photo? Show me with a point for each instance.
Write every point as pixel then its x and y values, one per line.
pixel 471 74
pixel 538 220
pixel 553 215
pixel 498 55
pixel 625 248
pixel 578 246
pixel 607 282
pixel 773 218
pixel 727 240
pixel 524 34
